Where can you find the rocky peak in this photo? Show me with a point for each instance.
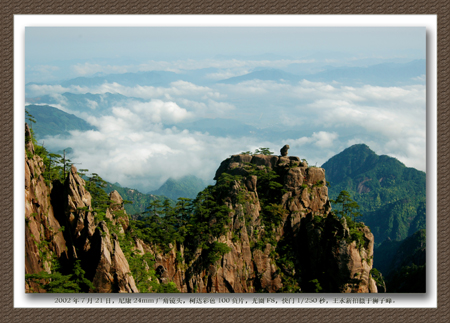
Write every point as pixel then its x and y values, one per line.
pixel 238 164
pixel 282 236
pixel 78 210
pixel 111 274
pixel 98 248
pixel 304 187
pixel 61 228
pixel 116 211
pixel 115 197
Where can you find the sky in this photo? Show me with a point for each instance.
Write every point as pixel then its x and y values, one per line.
pixel 320 90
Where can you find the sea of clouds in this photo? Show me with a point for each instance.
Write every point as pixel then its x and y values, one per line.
pixel 142 141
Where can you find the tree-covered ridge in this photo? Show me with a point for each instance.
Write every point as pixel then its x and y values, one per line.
pixel 57 166
pixel 403 263
pixel 50 121
pixel 195 223
pixel 187 186
pixel 391 196
pixel 138 202
pixel 395 254
pixel 397 220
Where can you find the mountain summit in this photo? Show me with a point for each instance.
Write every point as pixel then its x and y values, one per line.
pixel 391 196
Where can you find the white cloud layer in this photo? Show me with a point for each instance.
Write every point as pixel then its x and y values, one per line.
pixel 134 146
pixel 144 158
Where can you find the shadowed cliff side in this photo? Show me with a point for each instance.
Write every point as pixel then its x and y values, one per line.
pixel 44 240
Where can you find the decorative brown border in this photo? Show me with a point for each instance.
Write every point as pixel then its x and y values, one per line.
pixel 9 8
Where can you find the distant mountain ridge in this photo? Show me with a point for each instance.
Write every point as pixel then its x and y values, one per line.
pixel 265 75
pixel 187 186
pixel 140 201
pixel 51 121
pixel 150 78
pixel 384 74
pixel 94 104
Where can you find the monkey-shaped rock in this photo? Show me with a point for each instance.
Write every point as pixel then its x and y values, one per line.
pixel 284 150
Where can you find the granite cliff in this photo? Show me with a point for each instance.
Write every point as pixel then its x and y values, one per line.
pixel 61 229
pixel 281 235
pixel 266 226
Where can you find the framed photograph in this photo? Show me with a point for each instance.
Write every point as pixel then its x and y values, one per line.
pixel 192 164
